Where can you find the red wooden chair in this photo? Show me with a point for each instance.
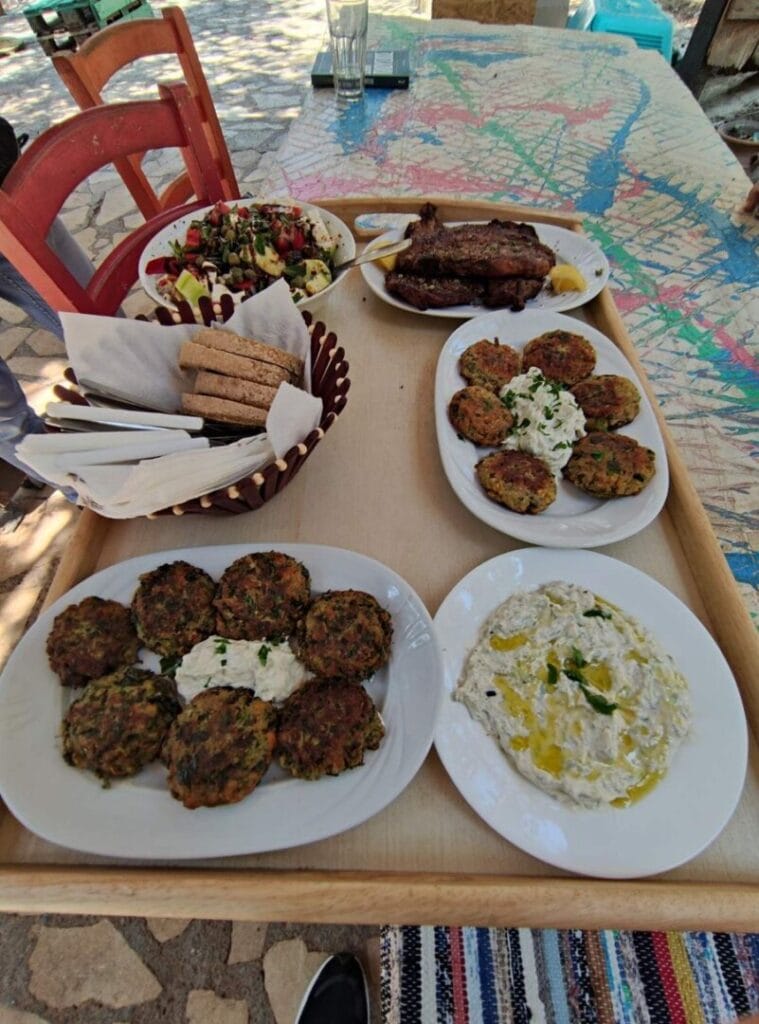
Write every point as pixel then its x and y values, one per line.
pixel 62 157
pixel 87 71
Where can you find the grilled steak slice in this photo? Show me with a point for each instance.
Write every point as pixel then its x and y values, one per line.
pixel 500 248
pixel 434 292
pixel 511 292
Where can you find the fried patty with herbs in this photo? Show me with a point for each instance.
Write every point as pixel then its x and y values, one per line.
pixel 610 465
pixel 119 723
pixel 608 401
pixel 90 639
pixel 325 728
pixel 489 364
pixel 219 747
pixel 560 356
pixel 480 416
pixel 173 608
pixel 519 481
pixel 345 634
pixel 261 596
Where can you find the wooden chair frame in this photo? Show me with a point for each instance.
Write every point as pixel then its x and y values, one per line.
pixel 87 71
pixel 61 158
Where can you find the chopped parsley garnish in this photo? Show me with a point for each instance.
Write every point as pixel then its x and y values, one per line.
pixel 572 671
pixel 596 613
pixel 263 653
pixel 597 455
pixel 169 664
pixel 553 674
pixel 220 646
pixel 508 399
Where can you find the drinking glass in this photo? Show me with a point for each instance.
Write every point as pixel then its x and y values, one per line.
pixel 348 20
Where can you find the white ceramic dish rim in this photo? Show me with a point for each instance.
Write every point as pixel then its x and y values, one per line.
pixel 575 519
pixel 138 818
pixel 689 807
pixel 570 246
pixel 159 245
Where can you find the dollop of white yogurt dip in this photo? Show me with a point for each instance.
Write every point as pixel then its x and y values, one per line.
pixel 270 669
pixel 547 419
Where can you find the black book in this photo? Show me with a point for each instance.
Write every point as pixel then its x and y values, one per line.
pixel 385 69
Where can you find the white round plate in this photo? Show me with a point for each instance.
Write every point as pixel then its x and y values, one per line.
pixel 676 820
pixel 137 817
pixel 569 246
pixel 160 245
pixel 575 519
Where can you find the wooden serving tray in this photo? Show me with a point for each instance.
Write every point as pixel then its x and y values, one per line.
pixel 378 488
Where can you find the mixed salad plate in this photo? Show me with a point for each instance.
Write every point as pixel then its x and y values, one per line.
pixel 241 248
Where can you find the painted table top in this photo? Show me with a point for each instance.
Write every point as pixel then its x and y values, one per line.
pixel 590 124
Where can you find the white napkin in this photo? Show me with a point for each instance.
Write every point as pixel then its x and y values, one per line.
pixel 141 359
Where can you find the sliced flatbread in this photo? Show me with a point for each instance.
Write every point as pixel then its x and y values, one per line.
pixel 198 357
pixel 223 410
pixel 227 341
pixel 244 391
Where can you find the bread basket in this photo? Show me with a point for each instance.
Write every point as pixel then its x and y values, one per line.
pixel 329 381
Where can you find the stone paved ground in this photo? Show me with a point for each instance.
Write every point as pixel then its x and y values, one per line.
pixel 61 970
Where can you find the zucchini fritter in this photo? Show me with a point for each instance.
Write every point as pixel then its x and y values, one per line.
pixel 325 728
pixel 345 634
pixel 173 608
pixel 480 416
pixel 610 465
pixel 119 723
pixel 608 401
pixel 560 356
pixel 219 747
pixel 489 364
pixel 261 597
pixel 90 639
pixel 519 481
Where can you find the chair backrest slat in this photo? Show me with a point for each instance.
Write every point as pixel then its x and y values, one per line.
pixel 64 156
pixel 89 69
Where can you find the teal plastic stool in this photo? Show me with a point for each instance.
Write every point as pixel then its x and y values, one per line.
pixel 641 20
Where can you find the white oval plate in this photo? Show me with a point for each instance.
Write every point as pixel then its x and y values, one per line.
pixel 575 519
pixel 160 245
pixel 689 807
pixel 569 246
pixel 137 817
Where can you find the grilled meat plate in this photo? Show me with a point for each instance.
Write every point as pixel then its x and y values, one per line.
pixel 434 292
pixel 500 248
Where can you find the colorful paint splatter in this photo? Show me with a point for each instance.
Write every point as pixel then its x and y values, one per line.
pixel 594 125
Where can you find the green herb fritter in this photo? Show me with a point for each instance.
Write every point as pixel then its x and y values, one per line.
pixel 480 416
pixel 119 723
pixel 517 480
pixel 489 364
pixel 607 401
pixel 173 608
pixel 560 356
pixel 345 634
pixel 219 747
pixel 261 596
pixel 610 465
pixel 327 727
pixel 90 639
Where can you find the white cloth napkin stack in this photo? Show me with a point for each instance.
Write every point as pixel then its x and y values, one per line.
pixel 151 470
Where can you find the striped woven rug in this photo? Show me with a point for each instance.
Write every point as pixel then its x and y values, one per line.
pixel 505 975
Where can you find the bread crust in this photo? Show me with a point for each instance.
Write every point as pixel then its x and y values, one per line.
pixel 223 410
pixel 199 357
pixel 227 341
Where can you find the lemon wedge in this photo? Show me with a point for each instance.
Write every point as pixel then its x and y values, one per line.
pixel 566 278
pixel 387 262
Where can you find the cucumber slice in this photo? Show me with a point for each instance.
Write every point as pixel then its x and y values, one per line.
pixel 190 288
